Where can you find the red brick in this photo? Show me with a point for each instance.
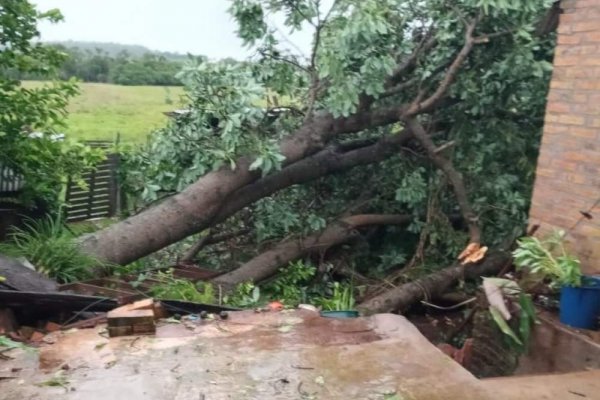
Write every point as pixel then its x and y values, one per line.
pixel 561 59
pixel 571 119
pixel 569 39
pixel 590 37
pixel 558 107
pixel 52 327
pixel 584 26
pixel 585 3
pixel 37 336
pixel 583 132
pixel 587 84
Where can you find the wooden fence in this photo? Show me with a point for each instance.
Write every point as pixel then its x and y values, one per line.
pixel 100 199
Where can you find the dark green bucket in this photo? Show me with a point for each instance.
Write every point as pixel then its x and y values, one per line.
pixel 339 314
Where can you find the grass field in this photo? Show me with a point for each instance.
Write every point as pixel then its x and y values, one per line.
pixel 103 110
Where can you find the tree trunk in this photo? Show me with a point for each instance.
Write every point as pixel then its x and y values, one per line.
pixel 267 263
pixel 432 286
pixel 194 209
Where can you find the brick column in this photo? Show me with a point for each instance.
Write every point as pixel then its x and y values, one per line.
pixel 568 172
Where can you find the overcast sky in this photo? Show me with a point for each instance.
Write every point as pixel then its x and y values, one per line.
pixel 194 26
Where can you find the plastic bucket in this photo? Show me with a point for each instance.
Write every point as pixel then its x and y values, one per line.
pixel 580 306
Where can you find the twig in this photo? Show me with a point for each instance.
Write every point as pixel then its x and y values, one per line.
pixel 462 303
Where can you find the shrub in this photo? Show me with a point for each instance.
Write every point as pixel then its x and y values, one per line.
pixel 51 248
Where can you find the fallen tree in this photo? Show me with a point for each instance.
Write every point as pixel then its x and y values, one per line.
pixel 359 80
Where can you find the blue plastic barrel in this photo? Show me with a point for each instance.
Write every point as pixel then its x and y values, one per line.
pixel 580 306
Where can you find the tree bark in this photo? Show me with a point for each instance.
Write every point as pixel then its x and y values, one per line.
pixel 453 176
pixel 432 286
pixel 267 263
pixel 194 209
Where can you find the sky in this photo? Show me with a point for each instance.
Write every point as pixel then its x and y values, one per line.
pixel 201 27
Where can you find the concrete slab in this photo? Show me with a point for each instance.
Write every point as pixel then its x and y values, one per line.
pixel 286 355
pixel 557 348
pixel 572 386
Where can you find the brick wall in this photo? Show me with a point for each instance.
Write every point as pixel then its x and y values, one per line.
pixel 568 171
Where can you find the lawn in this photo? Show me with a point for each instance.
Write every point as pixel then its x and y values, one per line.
pixel 102 111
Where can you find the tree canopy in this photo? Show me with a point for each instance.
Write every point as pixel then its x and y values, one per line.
pixel 420 108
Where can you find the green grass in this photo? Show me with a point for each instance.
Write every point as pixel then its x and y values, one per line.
pixel 102 111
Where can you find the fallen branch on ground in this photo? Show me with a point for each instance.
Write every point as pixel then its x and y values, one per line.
pixel 432 286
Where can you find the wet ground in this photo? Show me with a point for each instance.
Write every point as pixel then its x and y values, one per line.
pixel 284 355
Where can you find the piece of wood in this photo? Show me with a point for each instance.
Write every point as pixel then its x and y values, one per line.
pixel 145 304
pixel 130 317
pixel 18 277
pixel 86 323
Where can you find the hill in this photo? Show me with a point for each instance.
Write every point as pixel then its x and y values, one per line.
pixel 113 49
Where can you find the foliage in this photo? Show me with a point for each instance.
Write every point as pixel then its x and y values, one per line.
pixel 491 122
pixel 96 65
pixel 171 288
pixel 8 344
pixel 244 295
pixel 507 291
pixel 43 163
pixel 342 298
pixel 51 248
pixel 549 258
pixel 291 284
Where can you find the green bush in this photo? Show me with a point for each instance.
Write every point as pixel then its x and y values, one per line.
pixel 171 288
pixel 549 258
pixel 51 248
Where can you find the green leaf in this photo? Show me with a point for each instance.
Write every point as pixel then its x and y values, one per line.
pixel 499 320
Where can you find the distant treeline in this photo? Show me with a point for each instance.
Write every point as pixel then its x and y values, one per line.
pixel 122 68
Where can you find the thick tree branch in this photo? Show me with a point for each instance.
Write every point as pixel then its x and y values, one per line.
pixel 326 162
pixel 210 239
pixel 453 176
pixel 431 286
pixel 267 263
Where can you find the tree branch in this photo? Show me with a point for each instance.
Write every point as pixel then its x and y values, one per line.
pixel 453 175
pixel 267 263
pixel 418 106
pixel 325 162
pixel 431 286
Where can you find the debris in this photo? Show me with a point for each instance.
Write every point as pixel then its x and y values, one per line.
pixel 130 322
pixel 19 277
pixel 319 380
pixel 37 337
pixel 52 327
pixel 8 322
pixel 472 253
pixel 308 307
pixel 86 323
pixel 493 292
pixel 275 306
pixel 58 380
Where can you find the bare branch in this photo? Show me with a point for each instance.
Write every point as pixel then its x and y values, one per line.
pixel 453 175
